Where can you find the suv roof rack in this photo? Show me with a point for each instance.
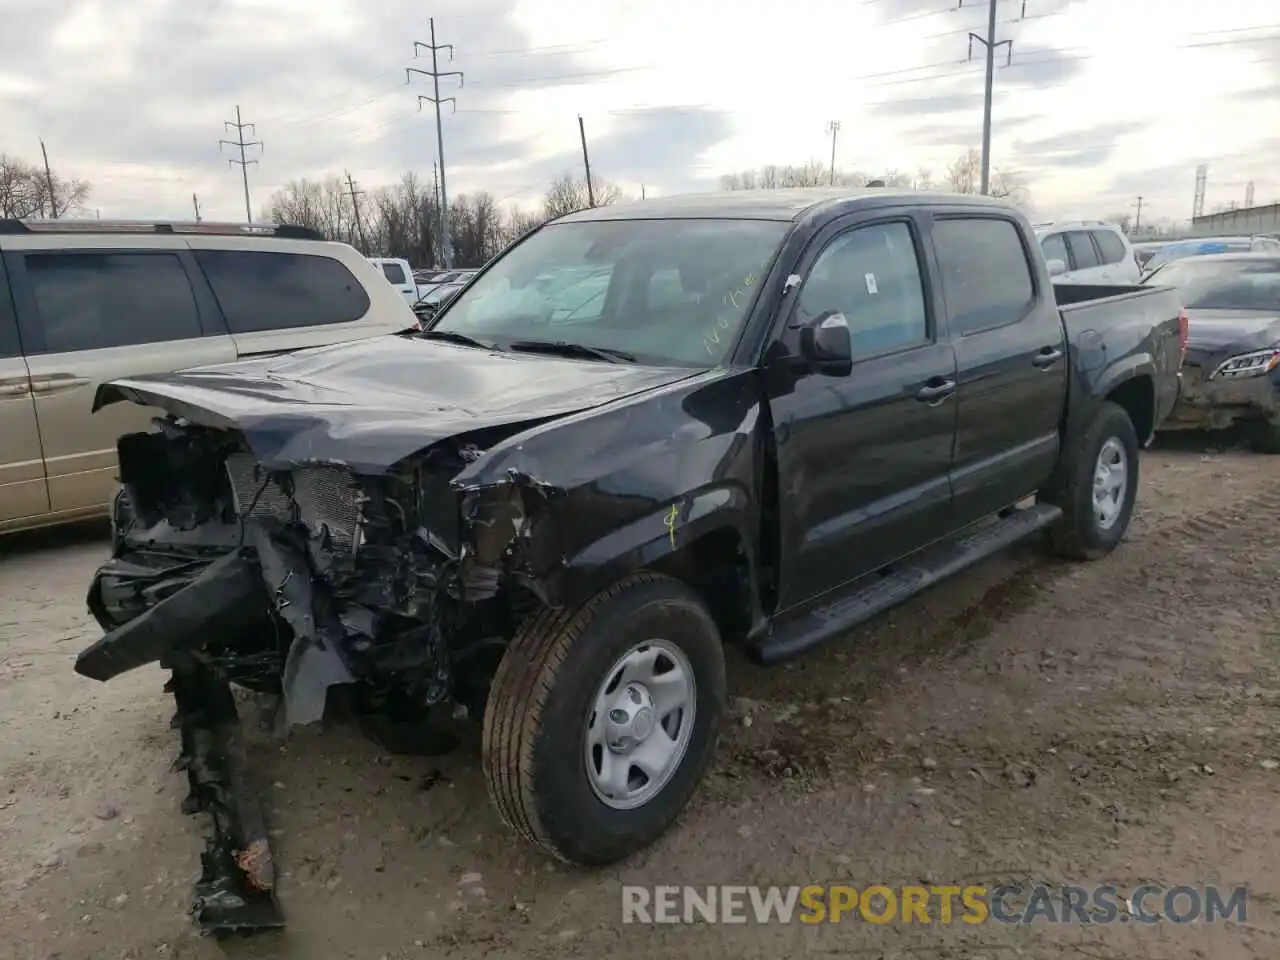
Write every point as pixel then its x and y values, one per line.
pixel 282 231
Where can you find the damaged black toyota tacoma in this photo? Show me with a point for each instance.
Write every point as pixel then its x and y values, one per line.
pixel 639 434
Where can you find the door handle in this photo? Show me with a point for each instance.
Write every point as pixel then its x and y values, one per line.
pixel 936 392
pixel 1047 357
pixel 19 388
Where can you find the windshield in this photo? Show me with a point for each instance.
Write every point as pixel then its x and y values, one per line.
pixel 1223 284
pixel 663 291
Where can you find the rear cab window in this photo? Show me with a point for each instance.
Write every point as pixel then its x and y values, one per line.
pixel 261 290
pixel 90 300
pixel 985 272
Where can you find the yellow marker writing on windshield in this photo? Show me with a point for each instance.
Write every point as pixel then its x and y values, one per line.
pixel 670 523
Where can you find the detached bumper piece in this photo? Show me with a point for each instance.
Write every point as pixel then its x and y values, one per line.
pixel 236 889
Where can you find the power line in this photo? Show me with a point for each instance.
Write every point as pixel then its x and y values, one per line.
pixel 435 74
pixel 240 127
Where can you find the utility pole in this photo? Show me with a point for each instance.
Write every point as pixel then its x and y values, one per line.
pixel 1137 220
pixel 991 44
pixel 435 206
pixel 195 202
pixel 435 74
pixel 1248 194
pixel 355 209
pixel 242 144
pixel 586 162
pixel 48 179
pixel 833 128
pixel 1202 181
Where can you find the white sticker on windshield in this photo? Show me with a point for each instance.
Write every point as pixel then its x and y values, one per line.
pixel 871 283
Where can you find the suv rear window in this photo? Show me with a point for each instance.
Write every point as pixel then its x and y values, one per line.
pixel 394 272
pixel 88 301
pixel 986 276
pixel 276 291
pixel 1112 246
pixel 1082 251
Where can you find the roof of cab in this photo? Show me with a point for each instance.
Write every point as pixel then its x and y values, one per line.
pixel 782 205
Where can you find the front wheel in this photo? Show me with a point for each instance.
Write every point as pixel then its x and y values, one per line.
pixel 601 721
pixel 1096 487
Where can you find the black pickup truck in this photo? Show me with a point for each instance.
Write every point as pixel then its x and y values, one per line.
pixel 639 434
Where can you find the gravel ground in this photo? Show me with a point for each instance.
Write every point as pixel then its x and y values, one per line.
pixel 1030 721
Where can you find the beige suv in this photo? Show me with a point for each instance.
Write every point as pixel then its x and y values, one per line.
pixel 82 302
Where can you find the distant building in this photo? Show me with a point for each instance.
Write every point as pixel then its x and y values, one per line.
pixel 1244 221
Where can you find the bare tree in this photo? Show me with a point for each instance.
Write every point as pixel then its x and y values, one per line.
pixel 25 191
pixel 774 177
pixel 569 195
pixel 964 175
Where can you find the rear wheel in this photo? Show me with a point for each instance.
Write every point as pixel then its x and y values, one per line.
pixel 601 721
pixel 1096 486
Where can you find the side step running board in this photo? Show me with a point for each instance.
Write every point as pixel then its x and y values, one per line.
pixel 873 595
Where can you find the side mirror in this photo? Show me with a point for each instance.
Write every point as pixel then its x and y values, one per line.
pixel 825 343
pixel 1057 267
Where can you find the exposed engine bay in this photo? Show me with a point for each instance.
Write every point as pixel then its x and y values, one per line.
pixel 401 586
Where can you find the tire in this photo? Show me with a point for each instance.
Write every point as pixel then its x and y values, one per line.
pixel 540 710
pixel 1080 533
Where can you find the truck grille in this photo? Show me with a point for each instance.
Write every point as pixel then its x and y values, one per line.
pixel 323 497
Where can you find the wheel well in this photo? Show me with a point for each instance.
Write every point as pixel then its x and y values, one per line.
pixel 1138 399
pixel 716 567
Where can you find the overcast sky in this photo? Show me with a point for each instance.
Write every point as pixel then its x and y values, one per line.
pixel 1104 99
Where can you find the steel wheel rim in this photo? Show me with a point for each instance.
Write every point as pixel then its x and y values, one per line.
pixel 1110 483
pixel 639 724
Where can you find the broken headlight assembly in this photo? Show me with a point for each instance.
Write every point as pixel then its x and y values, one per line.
pixel 1253 364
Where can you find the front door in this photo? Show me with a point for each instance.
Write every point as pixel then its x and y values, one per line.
pixel 863 459
pixel 23 492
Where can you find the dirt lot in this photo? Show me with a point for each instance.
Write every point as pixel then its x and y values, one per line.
pixel 1031 721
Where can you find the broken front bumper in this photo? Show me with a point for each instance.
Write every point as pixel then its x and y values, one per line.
pixel 1219 403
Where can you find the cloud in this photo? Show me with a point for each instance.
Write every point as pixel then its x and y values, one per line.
pixel 133 97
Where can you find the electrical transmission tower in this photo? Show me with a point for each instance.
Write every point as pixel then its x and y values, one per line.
pixel 242 144
pixel 446 239
pixel 1202 179
pixel 991 45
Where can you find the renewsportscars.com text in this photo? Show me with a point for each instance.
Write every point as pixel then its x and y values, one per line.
pixel 881 904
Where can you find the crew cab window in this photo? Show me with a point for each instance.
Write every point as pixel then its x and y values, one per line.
pixel 1082 251
pixel 986 276
pixel 1112 246
pixel 394 272
pixel 9 344
pixel 88 301
pixel 662 291
pixel 1055 248
pixel 275 291
pixel 872 276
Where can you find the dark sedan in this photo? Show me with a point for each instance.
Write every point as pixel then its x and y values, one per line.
pixel 1231 373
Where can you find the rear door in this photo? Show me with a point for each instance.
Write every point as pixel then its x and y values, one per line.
pixel 23 491
pixel 275 302
pixel 1011 359
pixel 98 311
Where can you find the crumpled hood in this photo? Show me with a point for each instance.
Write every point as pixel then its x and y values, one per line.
pixel 373 402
